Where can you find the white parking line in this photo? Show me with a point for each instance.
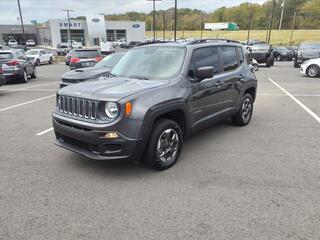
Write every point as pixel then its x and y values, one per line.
pixel 44 132
pixel 304 107
pixel 30 90
pixel 20 89
pixel 282 94
pixel 25 103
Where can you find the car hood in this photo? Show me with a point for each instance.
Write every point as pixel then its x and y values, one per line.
pixel 310 53
pixel 110 88
pixel 86 73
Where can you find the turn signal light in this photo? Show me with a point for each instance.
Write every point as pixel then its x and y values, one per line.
pixel 128 109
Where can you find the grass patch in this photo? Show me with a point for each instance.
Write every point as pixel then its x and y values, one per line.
pixel 281 37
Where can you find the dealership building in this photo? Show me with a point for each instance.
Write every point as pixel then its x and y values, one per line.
pixel 90 32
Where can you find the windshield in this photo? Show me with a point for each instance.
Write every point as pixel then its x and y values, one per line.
pixel 261 47
pixel 281 48
pixel 6 55
pixel 86 54
pixel 310 46
pixel 151 63
pixel 32 52
pixel 110 61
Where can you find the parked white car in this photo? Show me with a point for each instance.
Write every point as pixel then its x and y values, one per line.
pixel 30 43
pixel 311 68
pixel 39 56
pixel 12 42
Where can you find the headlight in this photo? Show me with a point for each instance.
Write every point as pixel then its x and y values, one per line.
pixel 111 109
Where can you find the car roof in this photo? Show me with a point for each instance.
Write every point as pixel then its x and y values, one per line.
pixel 36 49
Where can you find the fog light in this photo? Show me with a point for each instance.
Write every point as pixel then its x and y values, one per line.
pixel 111 135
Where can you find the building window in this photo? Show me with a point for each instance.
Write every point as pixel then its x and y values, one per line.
pixel 116 35
pixel 76 35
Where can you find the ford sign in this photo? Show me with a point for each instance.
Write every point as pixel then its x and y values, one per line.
pixel 95 20
pixel 136 25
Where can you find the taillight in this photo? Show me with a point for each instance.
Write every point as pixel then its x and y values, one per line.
pixel 74 60
pixel 1 71
pixel 13 63
pixel 98 59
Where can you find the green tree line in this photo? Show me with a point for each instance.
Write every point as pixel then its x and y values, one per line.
pixel 308 16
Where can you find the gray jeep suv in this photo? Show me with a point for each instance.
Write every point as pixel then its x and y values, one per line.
pixel 155 97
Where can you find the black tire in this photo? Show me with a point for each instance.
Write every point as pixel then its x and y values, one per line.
pixel 51 61
pixel 279 58
pixel 162 129
pixel 295 64
pixel 313 71
pixel 67 63
pixel 24 77
pixel 38 62
pixel 243 116
pixel 268 62
pixel 34 73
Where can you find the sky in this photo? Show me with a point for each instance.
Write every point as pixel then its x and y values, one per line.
pixel 42 10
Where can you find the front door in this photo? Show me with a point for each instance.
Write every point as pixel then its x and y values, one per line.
pixel 207 97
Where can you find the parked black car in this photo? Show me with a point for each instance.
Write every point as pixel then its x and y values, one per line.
pixel 81 58
pixel 293 49
pixel 2 78
pixel 306 51
pixel 16 66
pixel 281 53
pixel 262 53
pixel 159 94
pixel 102 68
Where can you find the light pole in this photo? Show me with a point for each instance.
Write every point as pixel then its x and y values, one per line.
pixel 175 19
pixel 22 26
pixel 281 17
pixel 69 31
pixel 293 23
pixel 271 21
pixel 164 25
pixel 154 18
pixel 249 28
pixel 201 34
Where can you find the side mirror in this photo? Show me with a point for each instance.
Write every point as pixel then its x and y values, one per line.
pixel 205 72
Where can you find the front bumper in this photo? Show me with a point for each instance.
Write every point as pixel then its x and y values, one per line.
pixel 91 143
pixel 3 80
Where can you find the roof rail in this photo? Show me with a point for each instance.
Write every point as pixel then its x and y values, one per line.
pixel 208 40
pixel 152 42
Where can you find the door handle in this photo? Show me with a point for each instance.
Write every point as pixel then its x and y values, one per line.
pixel 218 83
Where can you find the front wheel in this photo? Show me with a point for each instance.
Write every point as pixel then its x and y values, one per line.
pixel 313 71
pixel 165 145
pixel 279 58
pixel 268 62
pixel 243 116
pixel 38 62
pixel 51 61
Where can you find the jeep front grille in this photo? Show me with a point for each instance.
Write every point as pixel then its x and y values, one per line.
pixel 78 107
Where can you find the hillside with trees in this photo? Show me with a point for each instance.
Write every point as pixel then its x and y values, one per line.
pixel 308 16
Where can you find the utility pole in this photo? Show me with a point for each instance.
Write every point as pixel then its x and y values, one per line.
pixel 164 25
pixel 293 23
pixel 175 19
pixel 250 20
pixel 201 27
pixel 271 21
pixel 21 20
pixel 69 31
pixel 281 17
pixel 154 18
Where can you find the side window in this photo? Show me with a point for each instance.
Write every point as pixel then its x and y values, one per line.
pixel 43 52
pixel 207 56
pixel 229 58
pixel 240 53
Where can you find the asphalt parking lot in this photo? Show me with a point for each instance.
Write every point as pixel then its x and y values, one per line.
pixel 256 182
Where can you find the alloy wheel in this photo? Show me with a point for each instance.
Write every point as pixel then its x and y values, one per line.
pixel 168 145
pixel 246 110
pixel 312 71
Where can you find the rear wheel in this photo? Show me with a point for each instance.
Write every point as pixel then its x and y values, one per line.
pixel 24 77
pixel 313 71
pixel 165 145
pixel 295 64
pixel 34 73
pixel 243 116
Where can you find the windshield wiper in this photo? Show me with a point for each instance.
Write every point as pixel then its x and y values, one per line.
pixel 139 77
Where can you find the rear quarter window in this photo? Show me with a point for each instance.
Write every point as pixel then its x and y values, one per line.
pixel 229 58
